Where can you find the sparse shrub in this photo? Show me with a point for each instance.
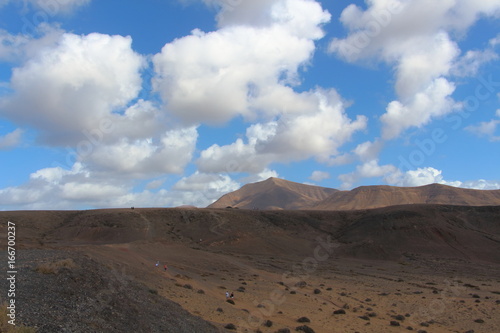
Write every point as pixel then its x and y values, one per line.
pixel 305 329
pixel 55 267
pixel 283 330
pixel 187 286
pixel 268 323
pixel 230 301
pixel 230 327
pixel 341 311
pixel 304 320
pixel 317 291
pixel 153 291
pixel 201 291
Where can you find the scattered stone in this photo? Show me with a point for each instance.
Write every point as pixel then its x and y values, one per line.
pixel 346 306
pixel 317 291
pixel 341 311
pixel 293 292
pixel 329 288
pixel 479 321
pixel 399 317
pixel 201 291
pixel 230 301
pixel 260 306
pixel 368 300
pixel 230 327
pixel 220 310
pixel 305 329
pixel 372 314
pixel 241 289
pixel 304 320
pixel 409 328
pixel 187 286
pixel 475 296
pixel 469 331
pixel 301 284
pixel 421 331
pixel 424 324
pixel 364 317
pixel 395 323
pixel 283 330
pixel 268 323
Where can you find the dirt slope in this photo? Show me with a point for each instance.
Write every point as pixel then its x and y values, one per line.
pixel 367 197
pixel 274 193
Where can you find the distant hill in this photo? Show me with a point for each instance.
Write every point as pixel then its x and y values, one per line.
pixel 275 193
pixel 367 197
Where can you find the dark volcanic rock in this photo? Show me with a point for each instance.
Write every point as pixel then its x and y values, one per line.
pixel 89 297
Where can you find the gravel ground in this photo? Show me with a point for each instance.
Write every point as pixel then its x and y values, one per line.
pixel 64 291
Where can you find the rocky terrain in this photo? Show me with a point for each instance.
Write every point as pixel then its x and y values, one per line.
pixel 431 268
pixel 275 193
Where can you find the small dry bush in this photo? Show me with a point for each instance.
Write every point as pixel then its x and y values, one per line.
pixel 54 267
pixel 5 327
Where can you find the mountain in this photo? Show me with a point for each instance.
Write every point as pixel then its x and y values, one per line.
pixel 367 197
pixel 274 193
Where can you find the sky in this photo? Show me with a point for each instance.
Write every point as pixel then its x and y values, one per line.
pixel 163 103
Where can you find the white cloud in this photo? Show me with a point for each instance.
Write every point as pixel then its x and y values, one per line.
pixel 369 169
pixel 429 175
pixel 486 128
pixel 20 47
pixel 240 69
pixel 414 37
pixel 11 139
pixel 434 101
pixel 70 88
pixel 202 189
pixel 319 176
pixel 411 178
pixel 317 132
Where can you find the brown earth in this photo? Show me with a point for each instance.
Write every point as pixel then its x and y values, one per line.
pixel 433 268
pixel 275 193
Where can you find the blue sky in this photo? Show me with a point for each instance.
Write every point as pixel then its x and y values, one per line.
pixel 177 102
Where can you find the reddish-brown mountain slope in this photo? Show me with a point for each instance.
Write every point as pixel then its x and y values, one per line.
pixel 367 197
pixel 274 193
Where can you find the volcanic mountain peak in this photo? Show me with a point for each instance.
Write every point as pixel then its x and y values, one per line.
pixel 274 193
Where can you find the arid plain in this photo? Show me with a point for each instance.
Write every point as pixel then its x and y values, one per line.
pixel 418 267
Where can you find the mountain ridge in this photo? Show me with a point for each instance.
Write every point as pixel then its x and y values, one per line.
pixel 276 193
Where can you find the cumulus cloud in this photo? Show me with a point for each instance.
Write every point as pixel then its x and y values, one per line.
pixel 21 47
pixel 239 69
pixel 11 140
pixel 318 132
pixel 69 88
pixel 79 187
pixel 432 102
pixel 411 178
pixel 369 169
pixel 414 37
pixel 203 189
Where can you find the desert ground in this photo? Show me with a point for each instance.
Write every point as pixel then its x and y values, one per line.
pixel 95 271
